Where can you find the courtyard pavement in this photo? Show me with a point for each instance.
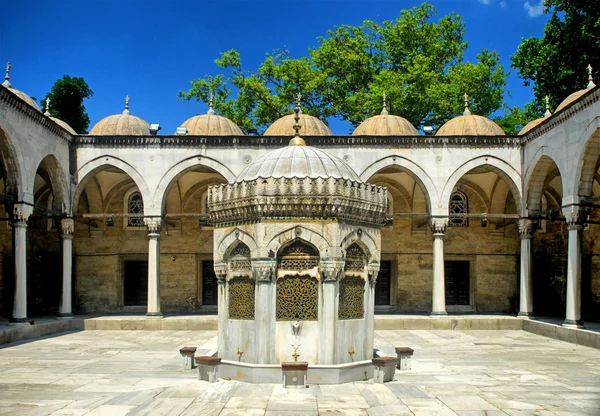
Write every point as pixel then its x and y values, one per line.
pixel 453 373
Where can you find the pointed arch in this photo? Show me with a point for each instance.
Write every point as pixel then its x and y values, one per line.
pixel 588 156
pixel 12 160
pixel 299 233
pixel 231 240
pixel 542 164
pixel 365 241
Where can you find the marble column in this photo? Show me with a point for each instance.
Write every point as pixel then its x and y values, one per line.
pixel 574 225
pixel 438 303
pixel 21 214
pixel 526 296
pixel 222 308
pixel 65 308
pixel 372 271
pixel 264 274
pixel 331 271
pixel 153 268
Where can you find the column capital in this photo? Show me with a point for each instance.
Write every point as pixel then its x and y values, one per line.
pixel 574 217
pixel 21 213
pixel 264 269
pixel 67 226
pixel 373 272
pixel 153 225
pixel 526 229
pixel 220 271
pixel 331 269
pixel 438 225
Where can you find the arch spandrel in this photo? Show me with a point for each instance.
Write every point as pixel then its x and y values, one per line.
pixel 89 170
pixel 498 166
pixel 414 170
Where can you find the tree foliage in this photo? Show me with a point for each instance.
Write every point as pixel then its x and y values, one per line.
pixel 556 63
pixel 66 102
pixel 417 62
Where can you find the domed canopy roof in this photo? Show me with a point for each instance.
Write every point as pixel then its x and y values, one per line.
pixel 298 161
pixel 211 124
pixel 470 125
pixel 529 126
pixel 311 126
pixel 18 93
pixel 385 125
pixel 121 124
pixel 58 121
pixel 577 94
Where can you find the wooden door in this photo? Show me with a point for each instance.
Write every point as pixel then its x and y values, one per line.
pixel 383 285
pixel 135 284
pixel 209 284
pixel 457 282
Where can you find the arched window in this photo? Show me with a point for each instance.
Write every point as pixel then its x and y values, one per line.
pixel 135 206
pixel 459 204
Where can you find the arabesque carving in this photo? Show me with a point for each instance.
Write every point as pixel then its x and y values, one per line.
pixel 241 298
pixel 352 298
pixel 297 298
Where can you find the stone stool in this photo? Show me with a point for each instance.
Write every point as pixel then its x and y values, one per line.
pixel 294 374
pixel 207 368
pixel 385 368
pixel 404 355
pixel 188 357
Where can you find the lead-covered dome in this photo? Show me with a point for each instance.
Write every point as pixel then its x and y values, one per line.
pixel 578 94
pixel 385 124
pixel 298 161
pixel 534 123
pixel 470 125
pixel 18 93
pixel 58 121
pixel 311 126
pixel 123 124
pixel 211 124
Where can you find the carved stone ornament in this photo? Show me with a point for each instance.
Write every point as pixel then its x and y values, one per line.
pixel 264 270
pixel 331 269
pixel 526 229
pixel 373 272
pixel 21 213
pixel 67 226
pixel 220 271
pixel 574 218
pixel 153 225
pixel 439 225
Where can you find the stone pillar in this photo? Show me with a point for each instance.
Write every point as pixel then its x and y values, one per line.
pixel 372 271
pixel 330 270
pixel 438 304
pixel 526 297
pixel 21 214
pixel 65 309
pixel 263 271
pixel 222 307
pixel 574 225
pixel 153 225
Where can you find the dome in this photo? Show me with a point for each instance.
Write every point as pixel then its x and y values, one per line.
pixel 298 161
pixel 385 125
pixel 470 125
pixel 18 93
pixel 211 124
pixel 529 126
pixel 578 94
pixel 121 124
pixel 311 126
pixel 64 125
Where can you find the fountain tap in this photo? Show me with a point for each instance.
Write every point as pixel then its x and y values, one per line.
pixel 351 351
pixel 239 353
pixel 295 354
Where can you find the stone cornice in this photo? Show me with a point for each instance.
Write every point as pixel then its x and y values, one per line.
pixel 12 100
pixel 276 142
pixel 554 120
pixel 282 198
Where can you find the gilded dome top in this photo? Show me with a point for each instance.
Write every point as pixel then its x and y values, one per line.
pixel 311 126
pixel 121 124
pixel 211 124
pixel 470 125
pixel 18 93
pixel 385 124
pixel 577 94
pixel 298 161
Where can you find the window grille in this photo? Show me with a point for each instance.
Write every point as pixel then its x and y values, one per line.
pixel 459 204
pixel 135 206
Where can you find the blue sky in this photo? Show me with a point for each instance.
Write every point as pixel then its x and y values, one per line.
pixel 150 50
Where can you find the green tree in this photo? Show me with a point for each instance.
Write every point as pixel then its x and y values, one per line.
pixel 555 65
pixel 515 118
pixel 417 62
pixel 66 102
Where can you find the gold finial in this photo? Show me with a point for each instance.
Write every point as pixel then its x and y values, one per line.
pixel 6 82
pixel 210 104
pixel 47 113
pixel 297 140
pixel 384 109
pixel 127 99
pixel 590 77
pixel 547 113
pixel 467 112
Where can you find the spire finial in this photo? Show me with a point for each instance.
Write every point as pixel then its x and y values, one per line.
pixel 127 99
pixel 547 113
pixel 47 113
pixel 384 109
pixel 211 98
pixel 590 77
pixel 297 140
pixel 467 112
pixel 6 82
